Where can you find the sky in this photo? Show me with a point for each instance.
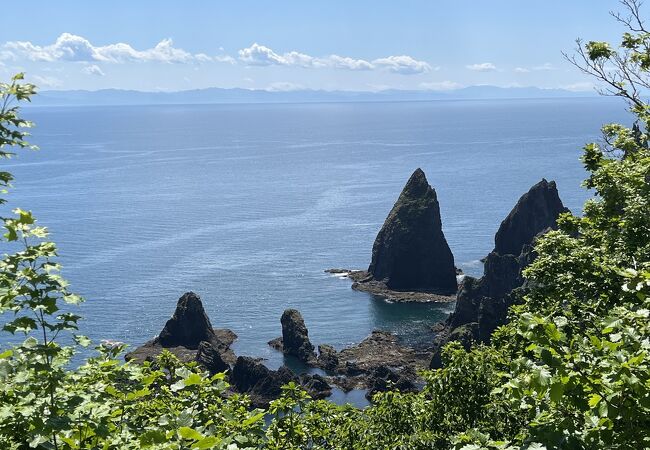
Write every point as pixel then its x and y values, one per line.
pixel 356 45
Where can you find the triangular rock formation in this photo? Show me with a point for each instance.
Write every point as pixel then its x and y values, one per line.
pixel 190 336
pixel 536 210
pixel 188 326
pixel 482 304
pixel 410 251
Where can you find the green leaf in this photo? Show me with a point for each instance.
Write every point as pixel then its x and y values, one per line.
pixel 556 391
pixel 594 399
pixel 193 379
pixel 189 434
pixel 207 442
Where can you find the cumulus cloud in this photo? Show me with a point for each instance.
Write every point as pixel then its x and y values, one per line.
pixel 403 64
pixel 70 47
pixel 440 85
pixel 482 67
pixel 521 70
pixel 260 55
pixel 93 69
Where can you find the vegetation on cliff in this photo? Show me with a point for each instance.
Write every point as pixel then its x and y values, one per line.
pixel 569 371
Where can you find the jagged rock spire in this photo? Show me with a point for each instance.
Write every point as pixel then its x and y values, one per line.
pixel 189 325
pixel 410 251
pixel 536 211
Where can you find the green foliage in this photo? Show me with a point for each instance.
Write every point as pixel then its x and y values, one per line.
pixel 569 371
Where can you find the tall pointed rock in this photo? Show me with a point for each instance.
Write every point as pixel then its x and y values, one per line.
pixel 410 251
pixel 482 304
pixel 189 325
pixel 537 210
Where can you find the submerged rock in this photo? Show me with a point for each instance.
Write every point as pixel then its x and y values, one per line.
pixel 410 251
pixel 482 304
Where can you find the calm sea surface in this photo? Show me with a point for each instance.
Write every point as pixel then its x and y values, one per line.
pixel 247 205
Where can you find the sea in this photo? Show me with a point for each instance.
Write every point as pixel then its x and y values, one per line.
pixel 247 205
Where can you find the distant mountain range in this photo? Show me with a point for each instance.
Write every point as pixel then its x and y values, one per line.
pixel 237 95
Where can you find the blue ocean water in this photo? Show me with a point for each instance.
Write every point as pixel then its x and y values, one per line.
pixel 247 205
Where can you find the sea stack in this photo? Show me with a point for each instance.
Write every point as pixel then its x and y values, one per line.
pixel 482 304
pixel 410 251
pixel 295 337
pixel 189 335
pixel 536 211
pixel 188 326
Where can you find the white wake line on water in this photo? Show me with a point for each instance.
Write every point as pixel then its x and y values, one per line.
pixel 329 200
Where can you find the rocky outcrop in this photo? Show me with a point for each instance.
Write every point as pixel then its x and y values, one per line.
pixel 263 385
pixel 250 376
pixel 482 304
pixel 328 358
pixel 189 335
pixel 316 386
pixel 377 362
pixel 410 251
pixel 536 210
pixel 188 326
pixel 295 337
pixel 365 282
pixel 209 357
pixel 384 378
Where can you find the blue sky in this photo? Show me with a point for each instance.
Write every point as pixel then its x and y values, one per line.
pixel 316 44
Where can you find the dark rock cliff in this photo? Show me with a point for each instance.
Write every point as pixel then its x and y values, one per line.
pixel 410 251
pixel 535 211
pixel 482 304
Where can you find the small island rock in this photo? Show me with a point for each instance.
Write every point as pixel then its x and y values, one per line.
pixel 410 251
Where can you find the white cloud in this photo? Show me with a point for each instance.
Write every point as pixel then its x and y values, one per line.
pixel 344 62
pixel 260 55
pixel 93 69
pixel 403 64
pixel 70 47
pixel 284 86
pixel 225 59
pixel 440 85
pixel 45 81
pixel 202 57
pixel 543 67
pixel 482 67
pixel 582 86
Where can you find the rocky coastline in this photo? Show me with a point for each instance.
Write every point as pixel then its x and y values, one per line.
pixel 411 262
pixel 363 281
